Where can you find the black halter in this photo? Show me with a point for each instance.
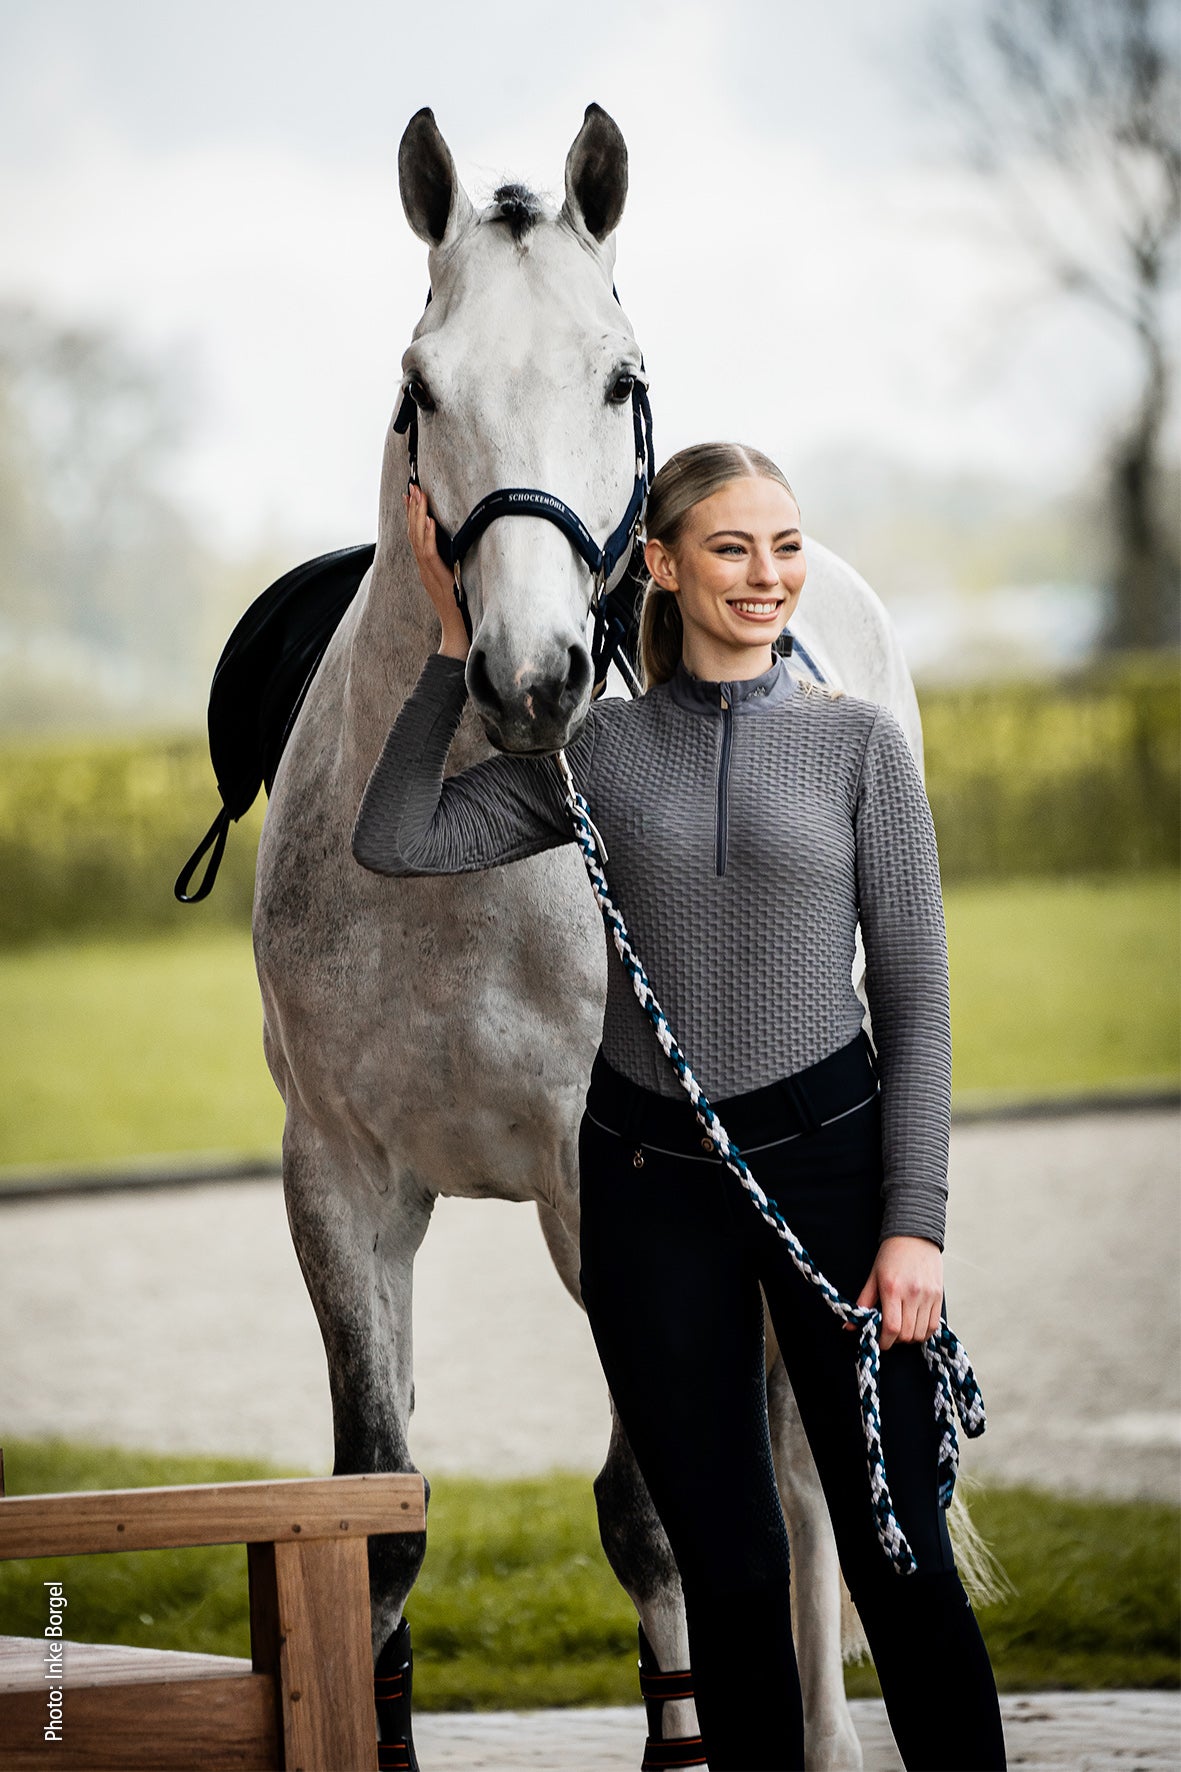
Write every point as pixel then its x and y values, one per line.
pixel 526 501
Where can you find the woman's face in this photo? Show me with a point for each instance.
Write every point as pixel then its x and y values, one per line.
pixel 737 572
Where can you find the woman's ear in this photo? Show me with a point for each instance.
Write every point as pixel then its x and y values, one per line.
pixel 661 565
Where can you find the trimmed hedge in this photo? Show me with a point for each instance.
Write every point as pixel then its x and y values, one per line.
pixel 1075 776
pixel 93 834
pixel 1081 775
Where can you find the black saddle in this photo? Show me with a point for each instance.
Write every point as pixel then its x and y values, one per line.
pixel 262 677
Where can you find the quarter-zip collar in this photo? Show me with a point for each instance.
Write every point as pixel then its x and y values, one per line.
pixel 744 695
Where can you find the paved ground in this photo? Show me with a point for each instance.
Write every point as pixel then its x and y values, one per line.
pixel 1079 1731
pixel 178 1320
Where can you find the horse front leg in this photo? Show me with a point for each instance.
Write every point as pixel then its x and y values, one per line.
pixel 356 1236
pixel 822 1613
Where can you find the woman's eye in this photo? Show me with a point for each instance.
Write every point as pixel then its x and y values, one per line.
pixel 622 388
pixel 420 394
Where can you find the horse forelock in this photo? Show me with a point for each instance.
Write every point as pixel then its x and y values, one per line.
pixel 519 207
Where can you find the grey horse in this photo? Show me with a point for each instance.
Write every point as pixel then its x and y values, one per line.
pixel 435 1036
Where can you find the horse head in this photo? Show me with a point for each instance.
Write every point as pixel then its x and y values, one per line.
pixel 522 371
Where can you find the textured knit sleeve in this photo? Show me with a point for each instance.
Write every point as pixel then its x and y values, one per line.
pixel 412 821
pixel 906 979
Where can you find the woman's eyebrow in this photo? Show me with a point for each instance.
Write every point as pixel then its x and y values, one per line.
pixel 745 535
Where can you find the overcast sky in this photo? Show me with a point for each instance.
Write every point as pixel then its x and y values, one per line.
pixel 804 265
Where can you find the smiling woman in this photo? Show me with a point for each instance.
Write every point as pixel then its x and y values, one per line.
pixel 719 593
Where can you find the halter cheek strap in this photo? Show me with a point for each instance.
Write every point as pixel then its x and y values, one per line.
pixel 606 563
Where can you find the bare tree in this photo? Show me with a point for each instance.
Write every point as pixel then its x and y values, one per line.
pixel 1075 105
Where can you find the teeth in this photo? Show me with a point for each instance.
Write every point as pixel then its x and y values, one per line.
pixel 755 608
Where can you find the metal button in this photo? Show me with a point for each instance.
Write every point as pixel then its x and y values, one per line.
pixel 707 1144
pixel 638 1160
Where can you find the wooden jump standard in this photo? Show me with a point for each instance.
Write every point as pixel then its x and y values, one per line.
pixel 304 1699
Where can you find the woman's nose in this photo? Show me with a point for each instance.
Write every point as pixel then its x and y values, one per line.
pixel 763 570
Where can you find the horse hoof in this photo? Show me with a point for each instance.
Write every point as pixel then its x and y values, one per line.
pixel 392 1679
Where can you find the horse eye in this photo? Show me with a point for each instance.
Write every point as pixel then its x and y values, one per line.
pixel 622 387
pixel 420 394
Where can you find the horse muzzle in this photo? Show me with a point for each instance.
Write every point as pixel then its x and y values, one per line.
pixel 533 709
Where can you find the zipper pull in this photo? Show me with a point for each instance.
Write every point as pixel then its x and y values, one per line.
pixel 724 702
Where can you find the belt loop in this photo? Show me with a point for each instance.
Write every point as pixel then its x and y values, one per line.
pixel 797 1095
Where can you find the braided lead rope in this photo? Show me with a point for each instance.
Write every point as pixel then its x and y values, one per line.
pixel 955 1381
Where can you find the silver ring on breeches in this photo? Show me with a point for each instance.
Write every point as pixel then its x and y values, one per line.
pixel 955 1381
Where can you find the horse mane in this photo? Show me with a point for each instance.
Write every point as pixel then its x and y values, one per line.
pixel 829 691
pixel 517 205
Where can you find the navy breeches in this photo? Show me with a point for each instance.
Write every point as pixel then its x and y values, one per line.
pixel 675 1263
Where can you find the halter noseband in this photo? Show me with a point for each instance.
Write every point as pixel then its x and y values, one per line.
pixel 527 501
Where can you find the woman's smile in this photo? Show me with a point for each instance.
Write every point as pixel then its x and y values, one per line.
pixel 758 611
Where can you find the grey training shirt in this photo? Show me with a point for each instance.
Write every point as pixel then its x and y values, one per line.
pixel 748 825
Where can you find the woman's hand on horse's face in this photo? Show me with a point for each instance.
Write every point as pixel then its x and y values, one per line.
pixel 439 582
pixel 907 1284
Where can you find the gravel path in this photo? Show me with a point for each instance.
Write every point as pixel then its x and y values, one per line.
pixel 177 1320
pixel 1063 1731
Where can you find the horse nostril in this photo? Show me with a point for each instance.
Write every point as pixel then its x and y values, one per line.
pixel 578 677
pixel 480 682
pixel 554 699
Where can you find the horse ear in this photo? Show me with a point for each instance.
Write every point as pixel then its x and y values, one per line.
pixel 436 204
pixel 596 176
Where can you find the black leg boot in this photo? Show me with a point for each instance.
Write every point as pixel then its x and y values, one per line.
pixel 392 1679
pixel 679 1750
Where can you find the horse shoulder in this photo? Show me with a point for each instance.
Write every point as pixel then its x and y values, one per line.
pixel 846 628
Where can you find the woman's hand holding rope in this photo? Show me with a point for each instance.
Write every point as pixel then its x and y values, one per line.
pixel 906 1283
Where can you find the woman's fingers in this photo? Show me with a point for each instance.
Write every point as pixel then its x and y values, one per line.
pixel 909 1314
pixel 420 527
pixel 892 1317
pixel 907 1285
pixel 437 578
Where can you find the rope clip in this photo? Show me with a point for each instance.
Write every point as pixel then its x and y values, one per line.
pixel 564 771
pixel 578 805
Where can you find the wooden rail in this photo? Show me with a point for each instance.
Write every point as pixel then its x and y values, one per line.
pixel 73 1525
pixel 305 1698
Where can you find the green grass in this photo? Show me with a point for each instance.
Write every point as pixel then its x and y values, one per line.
pixel 516 1607
pixel 1065 985
pixel 1096 1602
pixel 112 1049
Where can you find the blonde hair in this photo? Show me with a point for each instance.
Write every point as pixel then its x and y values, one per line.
pixel 685 479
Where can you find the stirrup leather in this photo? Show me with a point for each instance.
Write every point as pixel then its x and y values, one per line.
pixel 657 1688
